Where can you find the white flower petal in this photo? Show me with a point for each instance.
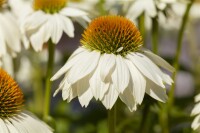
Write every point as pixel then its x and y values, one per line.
pixel 134 11
pixel 57 26
pixel 37 39
pixel 74 58
pixel 128 99
pixel 110 97
pixel 196 109
pixel 3 127
pixel 98 87
pixel 84 91
pixel 196 122
pixel 138 83
pixel 88 64
pixel 34 20
pixel 145 69
pixel 72 12
pixel 10 127
pixel 156 91
pixel 68 26
pixel 159 61
pixel 197 98
pixel 108 63
pixel 66 90
pixel 121 75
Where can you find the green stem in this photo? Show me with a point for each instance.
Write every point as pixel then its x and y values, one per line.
pixel 112 119
pixel 47 97
pixel 155 35
pixel 163 118
pixel 141 24
pixel 178 52
pixel 38 92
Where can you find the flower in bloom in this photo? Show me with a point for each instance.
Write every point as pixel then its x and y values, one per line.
pixel 48 20
pixel 111 64
pixel 10 37
pixel 196 112
pixel 12 117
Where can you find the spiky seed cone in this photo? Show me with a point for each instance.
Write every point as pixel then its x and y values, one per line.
pixel 112 34
pixel 11 96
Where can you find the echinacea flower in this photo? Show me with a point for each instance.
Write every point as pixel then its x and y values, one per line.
pixel 111 64
pixel 12 117
pixel 10 37
pixel 196 112
pixel 48 20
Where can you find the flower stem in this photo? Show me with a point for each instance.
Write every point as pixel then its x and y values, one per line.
pixel 47 97
pixel 155 35
pixel 178 52
pixel 112 119
pixel 141 24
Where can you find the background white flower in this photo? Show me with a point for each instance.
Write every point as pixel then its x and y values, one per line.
pixel 44 24
pixel 110 65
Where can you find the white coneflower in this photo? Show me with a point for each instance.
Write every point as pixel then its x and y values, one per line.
pixel 12 117
pixel 48 20
pixel 110 64
pixel 196 112
pixel 10 37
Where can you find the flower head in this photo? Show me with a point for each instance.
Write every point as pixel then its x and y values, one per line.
pixel 111 64
pixel 12 116
pixel 48 20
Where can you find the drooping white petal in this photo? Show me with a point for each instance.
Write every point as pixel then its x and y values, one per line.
pixel 10 127
pixel 134 11
pixel 121 75
pixel 196 109
pixel 72 92
pixel 74 58
pixel 150 8
pixel 110 97
pixel 156 91
pixel 197 98
pixel 196 124
pixel 84 91
pixel 128 99
pixel 159 61
pixel 3 48
pixel 66 90
pixel 108 63
pixel 72 12
pixel 34 20
pixel 68 26
pixel 138 83
pixel 38 38
pixel 57 28
pixel 98 87
pixel 88 64
pixel 145 69
pixel 3 127
pixel 164 77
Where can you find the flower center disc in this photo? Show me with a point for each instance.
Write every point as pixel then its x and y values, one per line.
pixel 49 6
pixel 112 34
pixel 2 2
pixel 11 96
